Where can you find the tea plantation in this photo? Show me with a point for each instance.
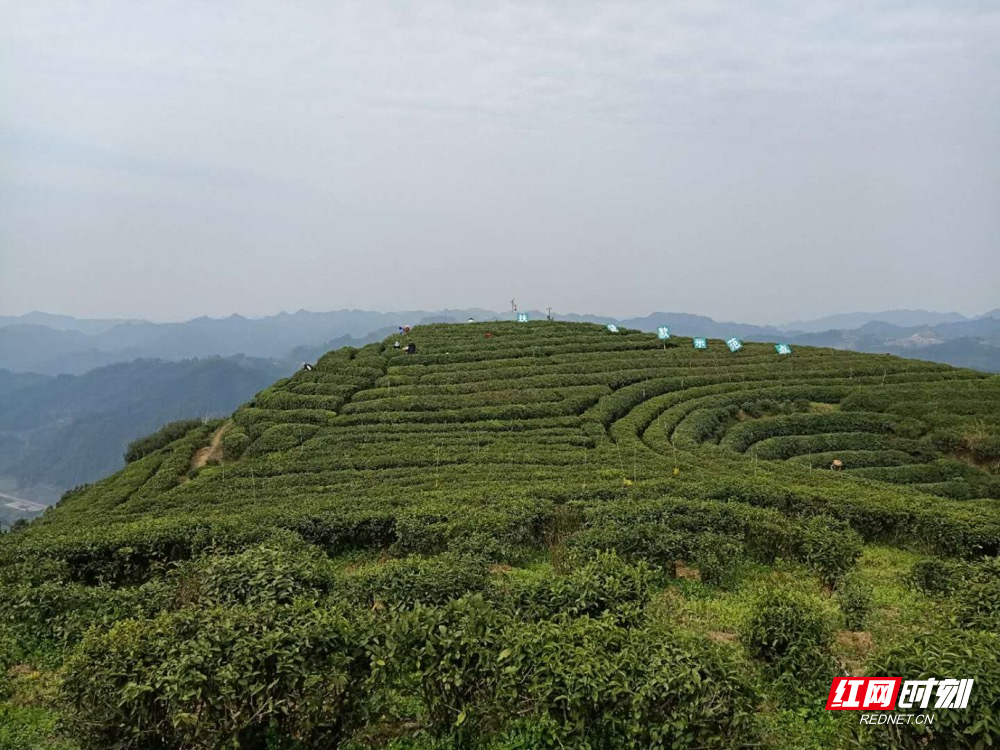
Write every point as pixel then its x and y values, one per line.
pixel 524 535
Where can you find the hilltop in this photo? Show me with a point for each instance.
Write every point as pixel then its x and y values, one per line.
pixel 523 532
pixel 76 428
pixel 55 344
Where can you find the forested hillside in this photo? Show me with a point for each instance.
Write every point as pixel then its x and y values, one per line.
pixel 521 536
pixel 61 432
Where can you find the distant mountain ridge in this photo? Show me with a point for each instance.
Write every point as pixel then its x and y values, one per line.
pixel 55 344
pixel 63 322
pixel 848 321
pixel 26 345
pixel 58 432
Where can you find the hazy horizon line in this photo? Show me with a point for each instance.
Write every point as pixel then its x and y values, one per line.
pixel 499 313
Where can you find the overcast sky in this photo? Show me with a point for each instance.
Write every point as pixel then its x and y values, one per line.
pixel 762 162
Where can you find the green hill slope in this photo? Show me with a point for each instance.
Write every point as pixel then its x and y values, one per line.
pixel 526 534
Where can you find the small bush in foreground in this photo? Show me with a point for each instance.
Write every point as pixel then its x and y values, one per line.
pixel 958 654
pixel 791 634
pixel 855 598
pixel 221 677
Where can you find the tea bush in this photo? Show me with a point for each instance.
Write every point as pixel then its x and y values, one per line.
pixel 416 580
pixel 234 443
pixel 263 574
pixel 855 599
pixel 831 547
pixel 220 676
pixel 142 447
pixel 605 584
pixel 965 654
pixel 592 683
pixel 449 658
pixel 791 634
pixel 934 576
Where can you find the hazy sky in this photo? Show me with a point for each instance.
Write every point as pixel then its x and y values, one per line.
pixel 760 161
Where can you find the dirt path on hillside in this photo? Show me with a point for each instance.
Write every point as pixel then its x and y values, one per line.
pixel 212 451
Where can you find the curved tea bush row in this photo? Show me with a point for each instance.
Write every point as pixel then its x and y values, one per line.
pixel 782 448
pixel 854 459
pixel 395 403
pixel 939 471
pixel 878 515
pixel 670 531
pixel 743 435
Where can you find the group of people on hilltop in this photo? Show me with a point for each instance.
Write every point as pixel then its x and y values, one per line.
pixel 411 348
